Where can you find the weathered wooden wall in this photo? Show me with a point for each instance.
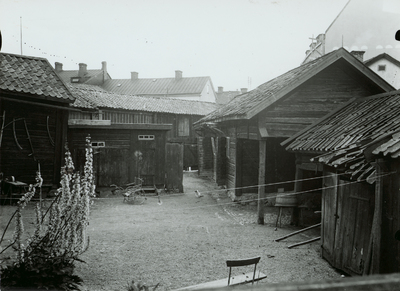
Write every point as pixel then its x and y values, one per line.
pixel 179 121
pixel 313 100
pixel 23 163
pixel 174 164
pixel 347 209
pixel 124 156
pixel 390 256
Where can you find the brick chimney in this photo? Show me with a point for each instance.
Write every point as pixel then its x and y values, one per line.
pixel 82 70
pixel 359 55
pixel 134 75
pixel 178 75
pixel 104 66
pixel 58 67
pixel 220 89
pixel 243 90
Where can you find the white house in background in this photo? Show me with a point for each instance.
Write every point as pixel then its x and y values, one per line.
pixel 367 29
pixel 189 88
pixel 366 25
pixel 387 67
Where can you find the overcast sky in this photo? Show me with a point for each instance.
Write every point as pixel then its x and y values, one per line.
pixel 238 43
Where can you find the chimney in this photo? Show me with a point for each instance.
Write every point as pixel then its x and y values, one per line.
pixel 134 75
pixel 82 70
pixel 104 66
pixel 58 67
pixel 359 55
pixel 178 75
pixel 243 90
pixel 220 89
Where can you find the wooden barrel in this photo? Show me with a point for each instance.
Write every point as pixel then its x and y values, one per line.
pixel 286 200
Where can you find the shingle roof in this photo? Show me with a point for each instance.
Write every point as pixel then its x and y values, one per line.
pixel 89 96
pixel 247 105
pixel 160 86
pixel 344 136
pixel 361 120
pixel 31 75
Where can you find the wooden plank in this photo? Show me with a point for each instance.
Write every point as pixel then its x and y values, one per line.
pixel 261 181
pixel 91 122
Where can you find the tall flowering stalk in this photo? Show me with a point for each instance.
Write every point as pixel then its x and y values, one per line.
pixel 55 245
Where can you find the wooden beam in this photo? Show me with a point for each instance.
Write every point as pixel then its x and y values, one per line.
pixel 372 265
pixel 261 181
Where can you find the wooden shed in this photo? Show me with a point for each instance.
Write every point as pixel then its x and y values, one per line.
pixel 358 146
pixel 157 128
pixel 254 124
pixel 34 105
pixel 128 109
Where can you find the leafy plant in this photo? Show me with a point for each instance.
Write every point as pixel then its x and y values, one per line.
pixel 47 258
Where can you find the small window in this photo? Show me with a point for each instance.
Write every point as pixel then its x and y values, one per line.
pixel 146 137
pixel 183 126
pixel 381 67
pixel 98 144
pixel 75 79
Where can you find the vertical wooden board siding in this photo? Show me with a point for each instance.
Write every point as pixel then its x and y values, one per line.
pixel 390 256
pixel 329 198
pixel 354 227
pixel 231 166
pixel 174 166
pixel 248 154
pixel 113 167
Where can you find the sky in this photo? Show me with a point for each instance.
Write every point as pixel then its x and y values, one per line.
pixel 238 43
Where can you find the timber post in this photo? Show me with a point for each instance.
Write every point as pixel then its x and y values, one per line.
pixel 261 181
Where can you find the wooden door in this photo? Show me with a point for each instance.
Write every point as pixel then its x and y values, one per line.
pixel 112 166
pixel 329 215
pixel 355 209
pixel 143 161
pixel 174 166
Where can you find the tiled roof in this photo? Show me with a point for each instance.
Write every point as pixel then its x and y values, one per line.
pixel 366 125
pixel 245 106
pixel 31 75
pixel 89 96
pixel 157 86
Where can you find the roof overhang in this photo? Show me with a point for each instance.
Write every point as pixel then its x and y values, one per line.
pixel 131 126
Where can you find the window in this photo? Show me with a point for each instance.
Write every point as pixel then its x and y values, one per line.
pixel 98 144
pixel 146 137
pixel 381 67
pixel 183 126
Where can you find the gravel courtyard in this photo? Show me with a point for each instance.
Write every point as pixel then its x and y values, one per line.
pixel 186 240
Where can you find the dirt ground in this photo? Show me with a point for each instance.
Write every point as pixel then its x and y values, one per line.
pixel 186 240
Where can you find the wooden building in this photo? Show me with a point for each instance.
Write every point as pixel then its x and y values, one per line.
pixel 134 135
pixel 34 105
pixel 358 146
pixel 249 129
